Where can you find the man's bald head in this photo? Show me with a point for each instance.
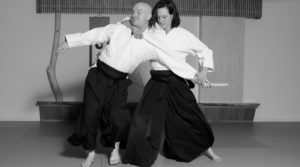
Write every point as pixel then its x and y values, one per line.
pixel 147 8
pixel 141 14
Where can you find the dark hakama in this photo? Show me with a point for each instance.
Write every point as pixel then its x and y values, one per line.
pixel 168 103
pixel 104 108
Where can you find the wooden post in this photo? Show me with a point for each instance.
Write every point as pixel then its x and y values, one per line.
pixel 52 66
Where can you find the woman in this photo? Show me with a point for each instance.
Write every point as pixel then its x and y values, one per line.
pixel 168 102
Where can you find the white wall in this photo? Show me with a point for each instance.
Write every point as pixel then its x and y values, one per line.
pixel 25 47
pixel 270 75
pixel 272 61
pixel 26 41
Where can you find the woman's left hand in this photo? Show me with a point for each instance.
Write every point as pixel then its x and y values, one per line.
pixel 205 84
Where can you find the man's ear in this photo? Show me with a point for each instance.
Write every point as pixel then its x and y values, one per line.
pixel 149 17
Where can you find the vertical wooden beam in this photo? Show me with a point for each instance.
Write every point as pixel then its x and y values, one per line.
pixel 52 66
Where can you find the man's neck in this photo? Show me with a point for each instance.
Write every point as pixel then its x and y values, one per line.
pixel 139 29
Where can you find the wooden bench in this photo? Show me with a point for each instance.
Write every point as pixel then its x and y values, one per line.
pixel 63 111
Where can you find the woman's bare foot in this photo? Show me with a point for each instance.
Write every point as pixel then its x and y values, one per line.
pixel 90 159
pixel 213 156
pixel 115 155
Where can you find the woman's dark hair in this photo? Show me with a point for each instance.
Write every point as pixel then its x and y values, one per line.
pixel 170 5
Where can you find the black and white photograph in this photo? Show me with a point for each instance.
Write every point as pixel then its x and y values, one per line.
pixel 149 83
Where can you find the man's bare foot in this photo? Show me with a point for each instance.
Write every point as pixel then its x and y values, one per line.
pixel 115 155
pixel 213 156
pixel 90 159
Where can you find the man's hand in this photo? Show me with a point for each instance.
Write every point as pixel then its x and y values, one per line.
pixel 136 33
pixel 62 48
pixel 127 23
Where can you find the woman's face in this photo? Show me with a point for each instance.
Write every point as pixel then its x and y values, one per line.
pixel 164 19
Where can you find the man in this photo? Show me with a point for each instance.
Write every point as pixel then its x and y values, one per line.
pixel 105 91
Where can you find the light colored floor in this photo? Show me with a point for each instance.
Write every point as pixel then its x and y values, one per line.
pixel 35 144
